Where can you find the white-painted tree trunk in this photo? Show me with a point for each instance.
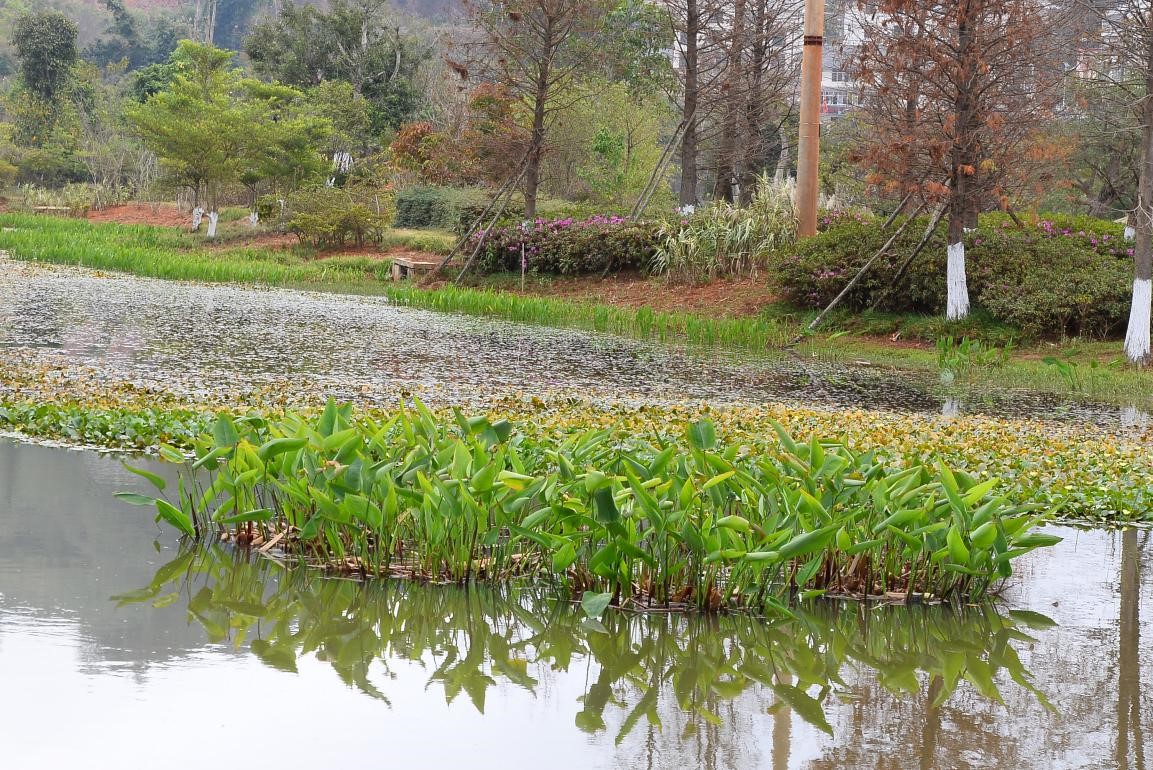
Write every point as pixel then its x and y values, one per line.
pixel 957 286
pixel 951 408
pixel 1137 336
pixel 197 218
pixel 1130 233
pixel 212 217
pixel 341 164
pixel 254 219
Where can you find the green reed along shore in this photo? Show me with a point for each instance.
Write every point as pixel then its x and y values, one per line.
pixel 687 523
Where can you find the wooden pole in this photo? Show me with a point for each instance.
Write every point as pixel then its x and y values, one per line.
pixel 808 147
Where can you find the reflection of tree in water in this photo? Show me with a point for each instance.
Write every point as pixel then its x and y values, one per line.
pixel 1094 675
pixel 1132 712
pixel 706 682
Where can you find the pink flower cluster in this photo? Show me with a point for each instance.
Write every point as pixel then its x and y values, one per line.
pixel 1097 242
pixel 597 220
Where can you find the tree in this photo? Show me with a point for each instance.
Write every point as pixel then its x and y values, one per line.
pixel 690 20
pixel 125 39
pixel 357 41
pixel 1119 67
pixel 45 44
pixel 957 92
pixel 536 52
pixel 606 145
pixel 756 95
pixel 117 162
pixel 211 127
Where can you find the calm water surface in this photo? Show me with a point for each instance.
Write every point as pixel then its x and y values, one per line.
pixel 197 339
pixel 120 650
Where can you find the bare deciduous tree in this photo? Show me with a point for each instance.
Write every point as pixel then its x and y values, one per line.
pixel 1124 64
pixel 957 93
pixel 535 50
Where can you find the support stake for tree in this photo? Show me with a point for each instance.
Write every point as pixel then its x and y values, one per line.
pixel 505 188
pixel 900 274
pixel 860 273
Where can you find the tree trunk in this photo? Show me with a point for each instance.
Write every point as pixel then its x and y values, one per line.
pixel 957 285
pixel 532 167
pixel 755 148
pixel 1129 710
pixel 540 107
pixel 729 155
pixel 1137 347
pixel 782 171
pixel 688 193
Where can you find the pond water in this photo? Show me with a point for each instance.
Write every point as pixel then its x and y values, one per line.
pixel 199 339
pixel 118 649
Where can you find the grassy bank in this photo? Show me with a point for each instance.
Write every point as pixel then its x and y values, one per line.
pixel 737 333
pixel 156 252
pixel 1093 370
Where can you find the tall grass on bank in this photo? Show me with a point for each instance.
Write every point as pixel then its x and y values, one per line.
pixel 157 252
pixel 740 333
pixel 688 523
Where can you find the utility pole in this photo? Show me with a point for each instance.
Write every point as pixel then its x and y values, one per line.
pixel 809 144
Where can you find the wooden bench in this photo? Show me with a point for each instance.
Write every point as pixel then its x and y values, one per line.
pixel 412 266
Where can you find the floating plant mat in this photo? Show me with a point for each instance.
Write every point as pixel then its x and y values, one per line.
pixel 225 342
pixel 1087 473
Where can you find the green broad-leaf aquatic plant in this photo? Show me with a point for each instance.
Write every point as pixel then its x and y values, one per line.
pixel 690 522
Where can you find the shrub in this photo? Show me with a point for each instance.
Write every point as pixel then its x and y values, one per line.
pixel 559 208
pixel 1046 279
pixel 568 247
pixel 725 240
pixel 331 216
pixel 443 208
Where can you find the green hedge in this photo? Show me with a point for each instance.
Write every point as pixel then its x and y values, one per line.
pixel 440 208
pixel 1057 277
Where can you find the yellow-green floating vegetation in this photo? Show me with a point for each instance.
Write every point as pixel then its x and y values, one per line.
pixel 693 523
pixel 1084 473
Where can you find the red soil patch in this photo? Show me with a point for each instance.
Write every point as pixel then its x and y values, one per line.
pixel 259 240
pixel 729 298
pixel 161 214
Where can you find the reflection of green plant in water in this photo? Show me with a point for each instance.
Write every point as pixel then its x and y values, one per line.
pixel 644 665
pixel 692 522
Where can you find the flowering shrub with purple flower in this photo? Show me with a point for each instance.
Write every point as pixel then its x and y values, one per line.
pixel 833 217
pixel 1040 279
pixel 569 246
